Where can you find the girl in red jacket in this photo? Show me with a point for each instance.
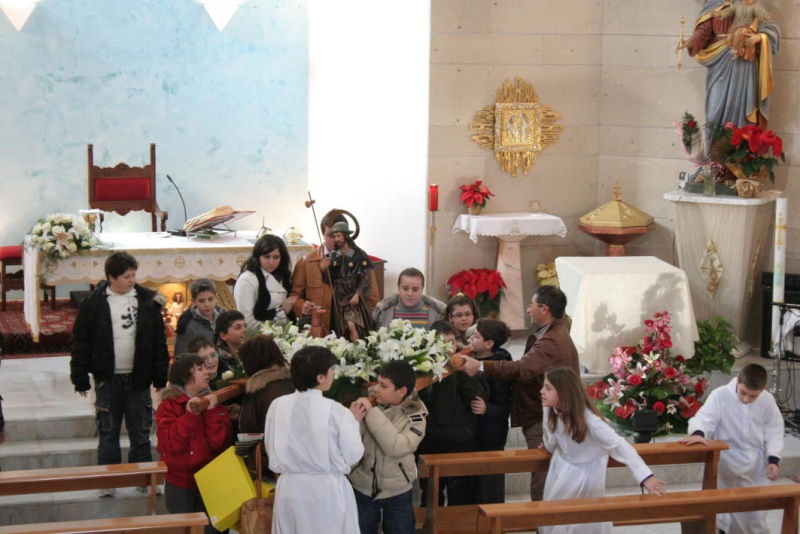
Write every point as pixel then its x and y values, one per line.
pixel 189 437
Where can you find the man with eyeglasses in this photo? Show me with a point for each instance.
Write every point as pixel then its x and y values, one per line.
pixel 308 284
pixel 549 347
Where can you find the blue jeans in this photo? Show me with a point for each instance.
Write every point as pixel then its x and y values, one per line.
pixel 398 514
pixel 115 400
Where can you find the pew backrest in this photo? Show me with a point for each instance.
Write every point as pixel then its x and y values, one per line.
pixel 193 523
pixel 85 478
pixel 700 507
pixel 436 466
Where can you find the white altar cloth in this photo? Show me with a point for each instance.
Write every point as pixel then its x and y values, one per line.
pixel 509 224
pixel 162 258
pixel 609 298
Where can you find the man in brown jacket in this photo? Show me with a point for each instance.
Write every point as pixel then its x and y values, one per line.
pixel 550 346
pixel 307 283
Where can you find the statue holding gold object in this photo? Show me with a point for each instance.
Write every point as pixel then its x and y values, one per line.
pixel 735 41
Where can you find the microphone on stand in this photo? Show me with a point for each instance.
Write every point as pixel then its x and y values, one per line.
pixel 180 232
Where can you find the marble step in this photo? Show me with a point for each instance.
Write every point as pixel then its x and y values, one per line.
pixel 74 505
pixel 53 453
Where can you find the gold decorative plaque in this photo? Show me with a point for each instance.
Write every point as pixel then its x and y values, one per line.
pixel 516 127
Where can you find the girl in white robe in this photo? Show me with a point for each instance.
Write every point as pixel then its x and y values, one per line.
pixel 748 419
pixel 581 441
pixel 312 442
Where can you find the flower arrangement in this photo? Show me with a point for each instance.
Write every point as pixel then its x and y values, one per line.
pixel 737 156
pixel 547 275
pixel 649 377
pixel 235 372
pixel 475 194
pixel 689 131
pixel 358 362
pixel 752 150
pixel 484 286
pixel 60 235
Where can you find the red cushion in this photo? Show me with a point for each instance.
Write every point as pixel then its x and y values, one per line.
pixel 110 189
pixel 11 253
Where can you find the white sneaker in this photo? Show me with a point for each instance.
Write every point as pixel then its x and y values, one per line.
pixel 110 492
pixel 146 489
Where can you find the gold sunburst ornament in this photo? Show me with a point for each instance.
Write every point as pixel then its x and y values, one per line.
pixel 516 127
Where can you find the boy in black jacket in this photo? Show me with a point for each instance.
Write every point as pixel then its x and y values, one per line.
pixel 492 411
pixel 451 425
pixel 119 339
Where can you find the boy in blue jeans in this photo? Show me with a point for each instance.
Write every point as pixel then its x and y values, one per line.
pixel 391 432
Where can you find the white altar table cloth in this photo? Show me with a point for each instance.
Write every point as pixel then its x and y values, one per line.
pixel 161 260
pixel 505 224
pixel 609 298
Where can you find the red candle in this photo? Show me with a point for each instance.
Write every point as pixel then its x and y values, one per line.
pixel 433 197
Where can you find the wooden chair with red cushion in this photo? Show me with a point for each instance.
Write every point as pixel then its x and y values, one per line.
pixel 123 189
pixel 11 256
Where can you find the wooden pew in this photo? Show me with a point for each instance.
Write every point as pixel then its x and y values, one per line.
pixel 156 524
pixel 700 506
pixel 92 477
pixel 439 519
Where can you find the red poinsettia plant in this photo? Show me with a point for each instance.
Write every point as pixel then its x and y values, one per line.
pixel 647 376
pixel 753 149
pixel 475 194
pixel 484 286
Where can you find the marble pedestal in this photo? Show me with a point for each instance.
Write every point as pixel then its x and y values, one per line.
pixel 510 229
pixel 737 227
pixel 509 265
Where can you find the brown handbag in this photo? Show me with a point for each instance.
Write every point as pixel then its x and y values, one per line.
pixel 256 514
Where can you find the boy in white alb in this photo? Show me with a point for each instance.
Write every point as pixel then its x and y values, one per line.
pixel 748 419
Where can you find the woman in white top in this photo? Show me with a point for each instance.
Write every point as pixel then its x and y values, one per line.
pixel 312 442
pixel 262 289
pixel 581 442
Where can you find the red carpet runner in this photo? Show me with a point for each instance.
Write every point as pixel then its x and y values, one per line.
pixel 55 336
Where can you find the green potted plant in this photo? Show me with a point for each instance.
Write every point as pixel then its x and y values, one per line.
pixel 714 348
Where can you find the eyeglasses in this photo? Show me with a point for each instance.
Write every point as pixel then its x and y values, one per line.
pixel 461 315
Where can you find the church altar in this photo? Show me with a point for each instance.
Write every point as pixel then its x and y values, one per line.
pixel 721 242
pixel 510 229
pixel 609 298
pixel 162 258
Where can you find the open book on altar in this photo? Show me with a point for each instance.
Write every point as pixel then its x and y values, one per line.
pixel 210 219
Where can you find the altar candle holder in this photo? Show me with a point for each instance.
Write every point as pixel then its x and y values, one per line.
pixel 433 197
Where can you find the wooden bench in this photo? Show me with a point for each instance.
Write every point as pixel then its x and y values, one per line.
pixel 92 477
pixel 436 519
pixel 700 506
pixel 157 524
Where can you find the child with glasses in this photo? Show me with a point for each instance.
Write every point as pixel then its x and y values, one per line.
pixel 463 313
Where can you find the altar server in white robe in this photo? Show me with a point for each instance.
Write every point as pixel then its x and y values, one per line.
pixel 312 442
pixel 748 419
pixel 581 441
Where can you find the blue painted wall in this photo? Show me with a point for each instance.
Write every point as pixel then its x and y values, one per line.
pixel 227 110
